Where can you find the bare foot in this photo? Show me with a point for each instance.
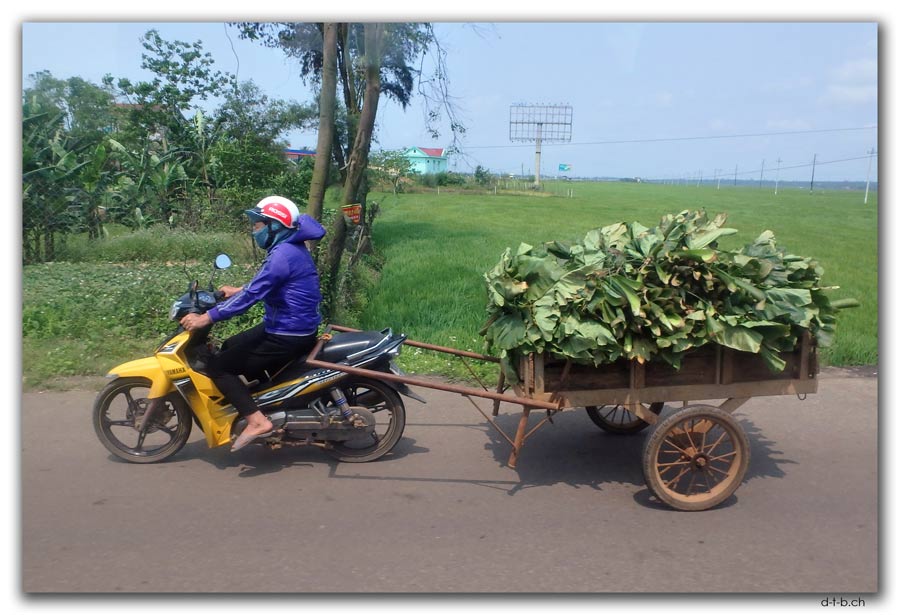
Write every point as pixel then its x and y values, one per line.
pixel 255 428
pixel 257 425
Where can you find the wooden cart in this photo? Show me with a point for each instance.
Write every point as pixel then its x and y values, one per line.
pixel 695 457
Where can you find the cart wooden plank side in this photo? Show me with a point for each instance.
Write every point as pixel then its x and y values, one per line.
pixel 708 372
pixel 695 457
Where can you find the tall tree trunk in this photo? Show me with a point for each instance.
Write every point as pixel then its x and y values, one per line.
pixel 351 100
pixel 346 67
pixel 49 246
pixel 339 160
pixel 326 122
pixel 360 153
pixel 359 156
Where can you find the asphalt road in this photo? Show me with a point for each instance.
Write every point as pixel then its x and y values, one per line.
pixel 445 514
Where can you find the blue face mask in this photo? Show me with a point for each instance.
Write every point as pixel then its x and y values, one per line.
pixel 262 237
pixel 270 236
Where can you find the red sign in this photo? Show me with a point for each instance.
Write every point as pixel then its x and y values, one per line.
pixel 353 212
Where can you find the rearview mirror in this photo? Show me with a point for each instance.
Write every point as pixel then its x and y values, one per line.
pixel 223 261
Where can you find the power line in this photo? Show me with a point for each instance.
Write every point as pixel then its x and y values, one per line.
pixel 805 165
pixel 695 138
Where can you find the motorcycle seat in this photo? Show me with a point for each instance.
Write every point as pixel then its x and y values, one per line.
pixel 338 348
pixel 343 345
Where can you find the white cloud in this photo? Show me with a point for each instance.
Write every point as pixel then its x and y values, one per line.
pixel 853 82
pixel 851 94
pixel 788 85
pixel 857 71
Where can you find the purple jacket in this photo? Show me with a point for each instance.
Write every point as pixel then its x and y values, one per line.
pixel 287 283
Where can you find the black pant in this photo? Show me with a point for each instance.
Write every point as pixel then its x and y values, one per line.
pixel 252 353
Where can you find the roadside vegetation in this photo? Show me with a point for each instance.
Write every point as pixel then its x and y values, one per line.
pixel 152 173
pixel 109 303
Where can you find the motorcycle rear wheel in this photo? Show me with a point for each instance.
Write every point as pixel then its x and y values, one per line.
pixel 119 407
pixel 384 402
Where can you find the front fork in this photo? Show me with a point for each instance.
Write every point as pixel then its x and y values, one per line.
pixel 153 406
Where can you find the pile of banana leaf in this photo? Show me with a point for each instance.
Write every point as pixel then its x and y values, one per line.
pixel 654 293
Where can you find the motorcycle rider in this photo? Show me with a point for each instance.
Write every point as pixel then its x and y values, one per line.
pixel 288 285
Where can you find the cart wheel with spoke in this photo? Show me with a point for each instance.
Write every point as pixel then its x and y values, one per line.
pixel 696 458
pixel 618 420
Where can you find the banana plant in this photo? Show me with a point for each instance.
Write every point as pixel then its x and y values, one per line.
pixel 51 164
pixel 156 181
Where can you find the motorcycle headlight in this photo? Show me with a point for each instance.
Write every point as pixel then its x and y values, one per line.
pixel 173 311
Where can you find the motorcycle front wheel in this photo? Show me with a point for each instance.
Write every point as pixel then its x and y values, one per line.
pixel 382 401
pixel 120 408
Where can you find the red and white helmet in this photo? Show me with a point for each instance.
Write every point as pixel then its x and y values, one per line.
pixel 277 208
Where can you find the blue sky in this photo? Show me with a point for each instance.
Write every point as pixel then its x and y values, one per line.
pixel 645 95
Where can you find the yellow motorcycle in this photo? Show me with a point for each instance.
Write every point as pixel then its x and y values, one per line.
pixel 146 413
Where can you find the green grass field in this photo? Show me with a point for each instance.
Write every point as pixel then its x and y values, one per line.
pixel 437 247
pixel 109 303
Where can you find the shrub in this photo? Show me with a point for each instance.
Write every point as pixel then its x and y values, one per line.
pixel 154 244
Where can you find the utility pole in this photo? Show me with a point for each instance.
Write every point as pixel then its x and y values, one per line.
pixel 811 179
pixel 761 170
pixel 735 175
pixel 866 198
pixel 699 181
pixel 777 173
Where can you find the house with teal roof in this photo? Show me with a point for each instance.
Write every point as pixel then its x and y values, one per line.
pixel 426 160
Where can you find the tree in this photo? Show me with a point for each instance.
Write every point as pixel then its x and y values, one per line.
pixel 247 113
pixel 482 175
pixel 236 145
pixel 371 58
pixel 404 47
pixel 326 121
pixel 390 167
pixel 154 182
pixel 94 191
pixel 86 108
pixel 184 76
pixel 51 162
pixel 354 190
pixel 246 163
pixel 90 157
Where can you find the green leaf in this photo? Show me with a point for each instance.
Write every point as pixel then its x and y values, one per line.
pixel 740 338
pixel 706 255
pixel 842 304
pixel 508 332
pixel 701 240
pixel 775 363
pixel 621 285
